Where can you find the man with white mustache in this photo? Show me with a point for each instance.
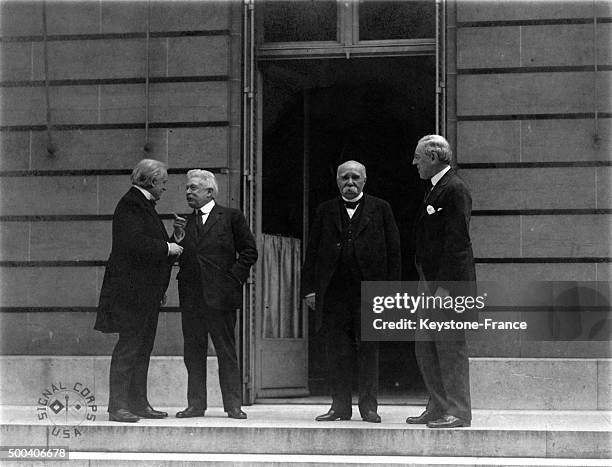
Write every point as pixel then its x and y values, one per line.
pixel 353 238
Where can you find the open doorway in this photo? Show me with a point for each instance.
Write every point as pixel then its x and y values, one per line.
pixel 327 111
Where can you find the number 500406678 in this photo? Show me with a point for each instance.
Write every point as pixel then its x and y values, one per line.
pixel 34 452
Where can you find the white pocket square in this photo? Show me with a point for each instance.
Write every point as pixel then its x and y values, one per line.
pixel 431 210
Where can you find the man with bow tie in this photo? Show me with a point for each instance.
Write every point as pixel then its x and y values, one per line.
pixel 219 250
pixel 445 262
pixel 353 238
pixel 135 282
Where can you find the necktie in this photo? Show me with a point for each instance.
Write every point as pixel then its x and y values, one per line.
pixel 351 204
pixel 428 190
pixel 198 218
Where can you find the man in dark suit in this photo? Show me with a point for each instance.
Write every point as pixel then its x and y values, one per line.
pixel 135 281
pixel 219 250
pixel 353 238
pixel 443 258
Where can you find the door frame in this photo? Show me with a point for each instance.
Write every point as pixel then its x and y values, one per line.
pixel 253 133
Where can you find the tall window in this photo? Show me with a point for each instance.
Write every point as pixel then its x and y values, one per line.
pixel 291 21
pixel 346 27
pixel 383 20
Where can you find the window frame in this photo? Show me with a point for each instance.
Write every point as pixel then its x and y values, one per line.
pixel 347 42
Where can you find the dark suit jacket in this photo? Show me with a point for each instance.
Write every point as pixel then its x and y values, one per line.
pixel 377 246
pixel 138 269
pixel 216 263
pixel 443 246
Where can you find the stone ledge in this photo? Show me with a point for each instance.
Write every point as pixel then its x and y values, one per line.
pixel 24 378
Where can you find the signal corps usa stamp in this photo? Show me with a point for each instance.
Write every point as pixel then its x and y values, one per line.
pixel 66 407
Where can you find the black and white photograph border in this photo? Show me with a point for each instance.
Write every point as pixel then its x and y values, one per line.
pixel 271 97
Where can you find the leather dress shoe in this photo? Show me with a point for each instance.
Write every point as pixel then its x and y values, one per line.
pixel 448 421
pixel 332 416
pixel 149 412
pixel 236 413
pixel 423 419
pixel 371 416
pixel 122 415
pixel 190 412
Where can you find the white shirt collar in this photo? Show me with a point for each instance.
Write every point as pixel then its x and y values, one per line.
pixel 354 200
pixel 207 207
pixel 148 195
pixel 436 178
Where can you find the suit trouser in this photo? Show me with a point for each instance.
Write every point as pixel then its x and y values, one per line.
pixel 220 324
pixel 344 347
pixel 130 366
pixel 445 368
pixel 446 374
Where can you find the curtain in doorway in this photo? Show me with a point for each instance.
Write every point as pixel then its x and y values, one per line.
pixel 282 315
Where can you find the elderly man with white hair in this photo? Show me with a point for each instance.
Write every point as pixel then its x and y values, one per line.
pixel 445 263
pixel 353 238
pixel 219 250
pixel 135 281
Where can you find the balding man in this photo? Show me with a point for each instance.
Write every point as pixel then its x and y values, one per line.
pixel 353 238
pixel 135 281
pixel 445 263
pixel 219 250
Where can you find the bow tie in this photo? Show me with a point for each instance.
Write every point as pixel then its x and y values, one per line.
pixel 351 204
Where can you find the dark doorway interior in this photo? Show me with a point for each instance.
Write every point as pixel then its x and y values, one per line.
pixel 372 110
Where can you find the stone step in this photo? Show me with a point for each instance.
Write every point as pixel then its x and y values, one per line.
pixel 496 383
pixel 291 430
pixel 104 459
